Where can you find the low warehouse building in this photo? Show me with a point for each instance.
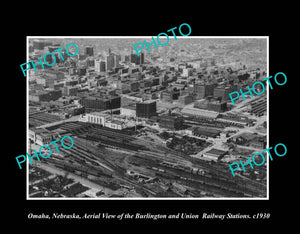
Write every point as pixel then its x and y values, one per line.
pixel 215 154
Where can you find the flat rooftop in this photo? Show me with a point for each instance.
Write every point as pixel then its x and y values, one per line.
pixel 100 97
pixel 216 152
pixel 148 101
pixel 199 112
pixel 98 114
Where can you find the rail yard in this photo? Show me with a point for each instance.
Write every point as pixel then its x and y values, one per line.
pixel 105 156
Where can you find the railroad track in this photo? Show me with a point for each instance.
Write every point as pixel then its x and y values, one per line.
pixel 83 149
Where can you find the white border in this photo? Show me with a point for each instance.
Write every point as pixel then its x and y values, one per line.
pixel 130 198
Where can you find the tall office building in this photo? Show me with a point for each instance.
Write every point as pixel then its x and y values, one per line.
pixel 117 59
pixel 100 66
pixel 146 109
pixel 89 50
pixel 134 58
pixel 186 72
pixel 142 58
pixel 110 62
pixel 127 58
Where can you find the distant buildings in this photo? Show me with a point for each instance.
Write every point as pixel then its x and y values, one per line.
pixel 110 62
pixel 54 74
pixel 117 59
pixel 45 81
pixel 170 95
pixel 38 44
pixel 81 71
pixel 130 86
pixel 70 91
pixel 186 72
pixel 71 82
pixel 185 99
pixel 89 50
pixel 134 58
pixel 100 66
pixel 49 78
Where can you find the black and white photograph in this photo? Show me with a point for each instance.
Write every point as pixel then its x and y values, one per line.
pixel 152 124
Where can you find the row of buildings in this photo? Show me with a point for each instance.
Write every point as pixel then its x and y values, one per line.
pixel 104 84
